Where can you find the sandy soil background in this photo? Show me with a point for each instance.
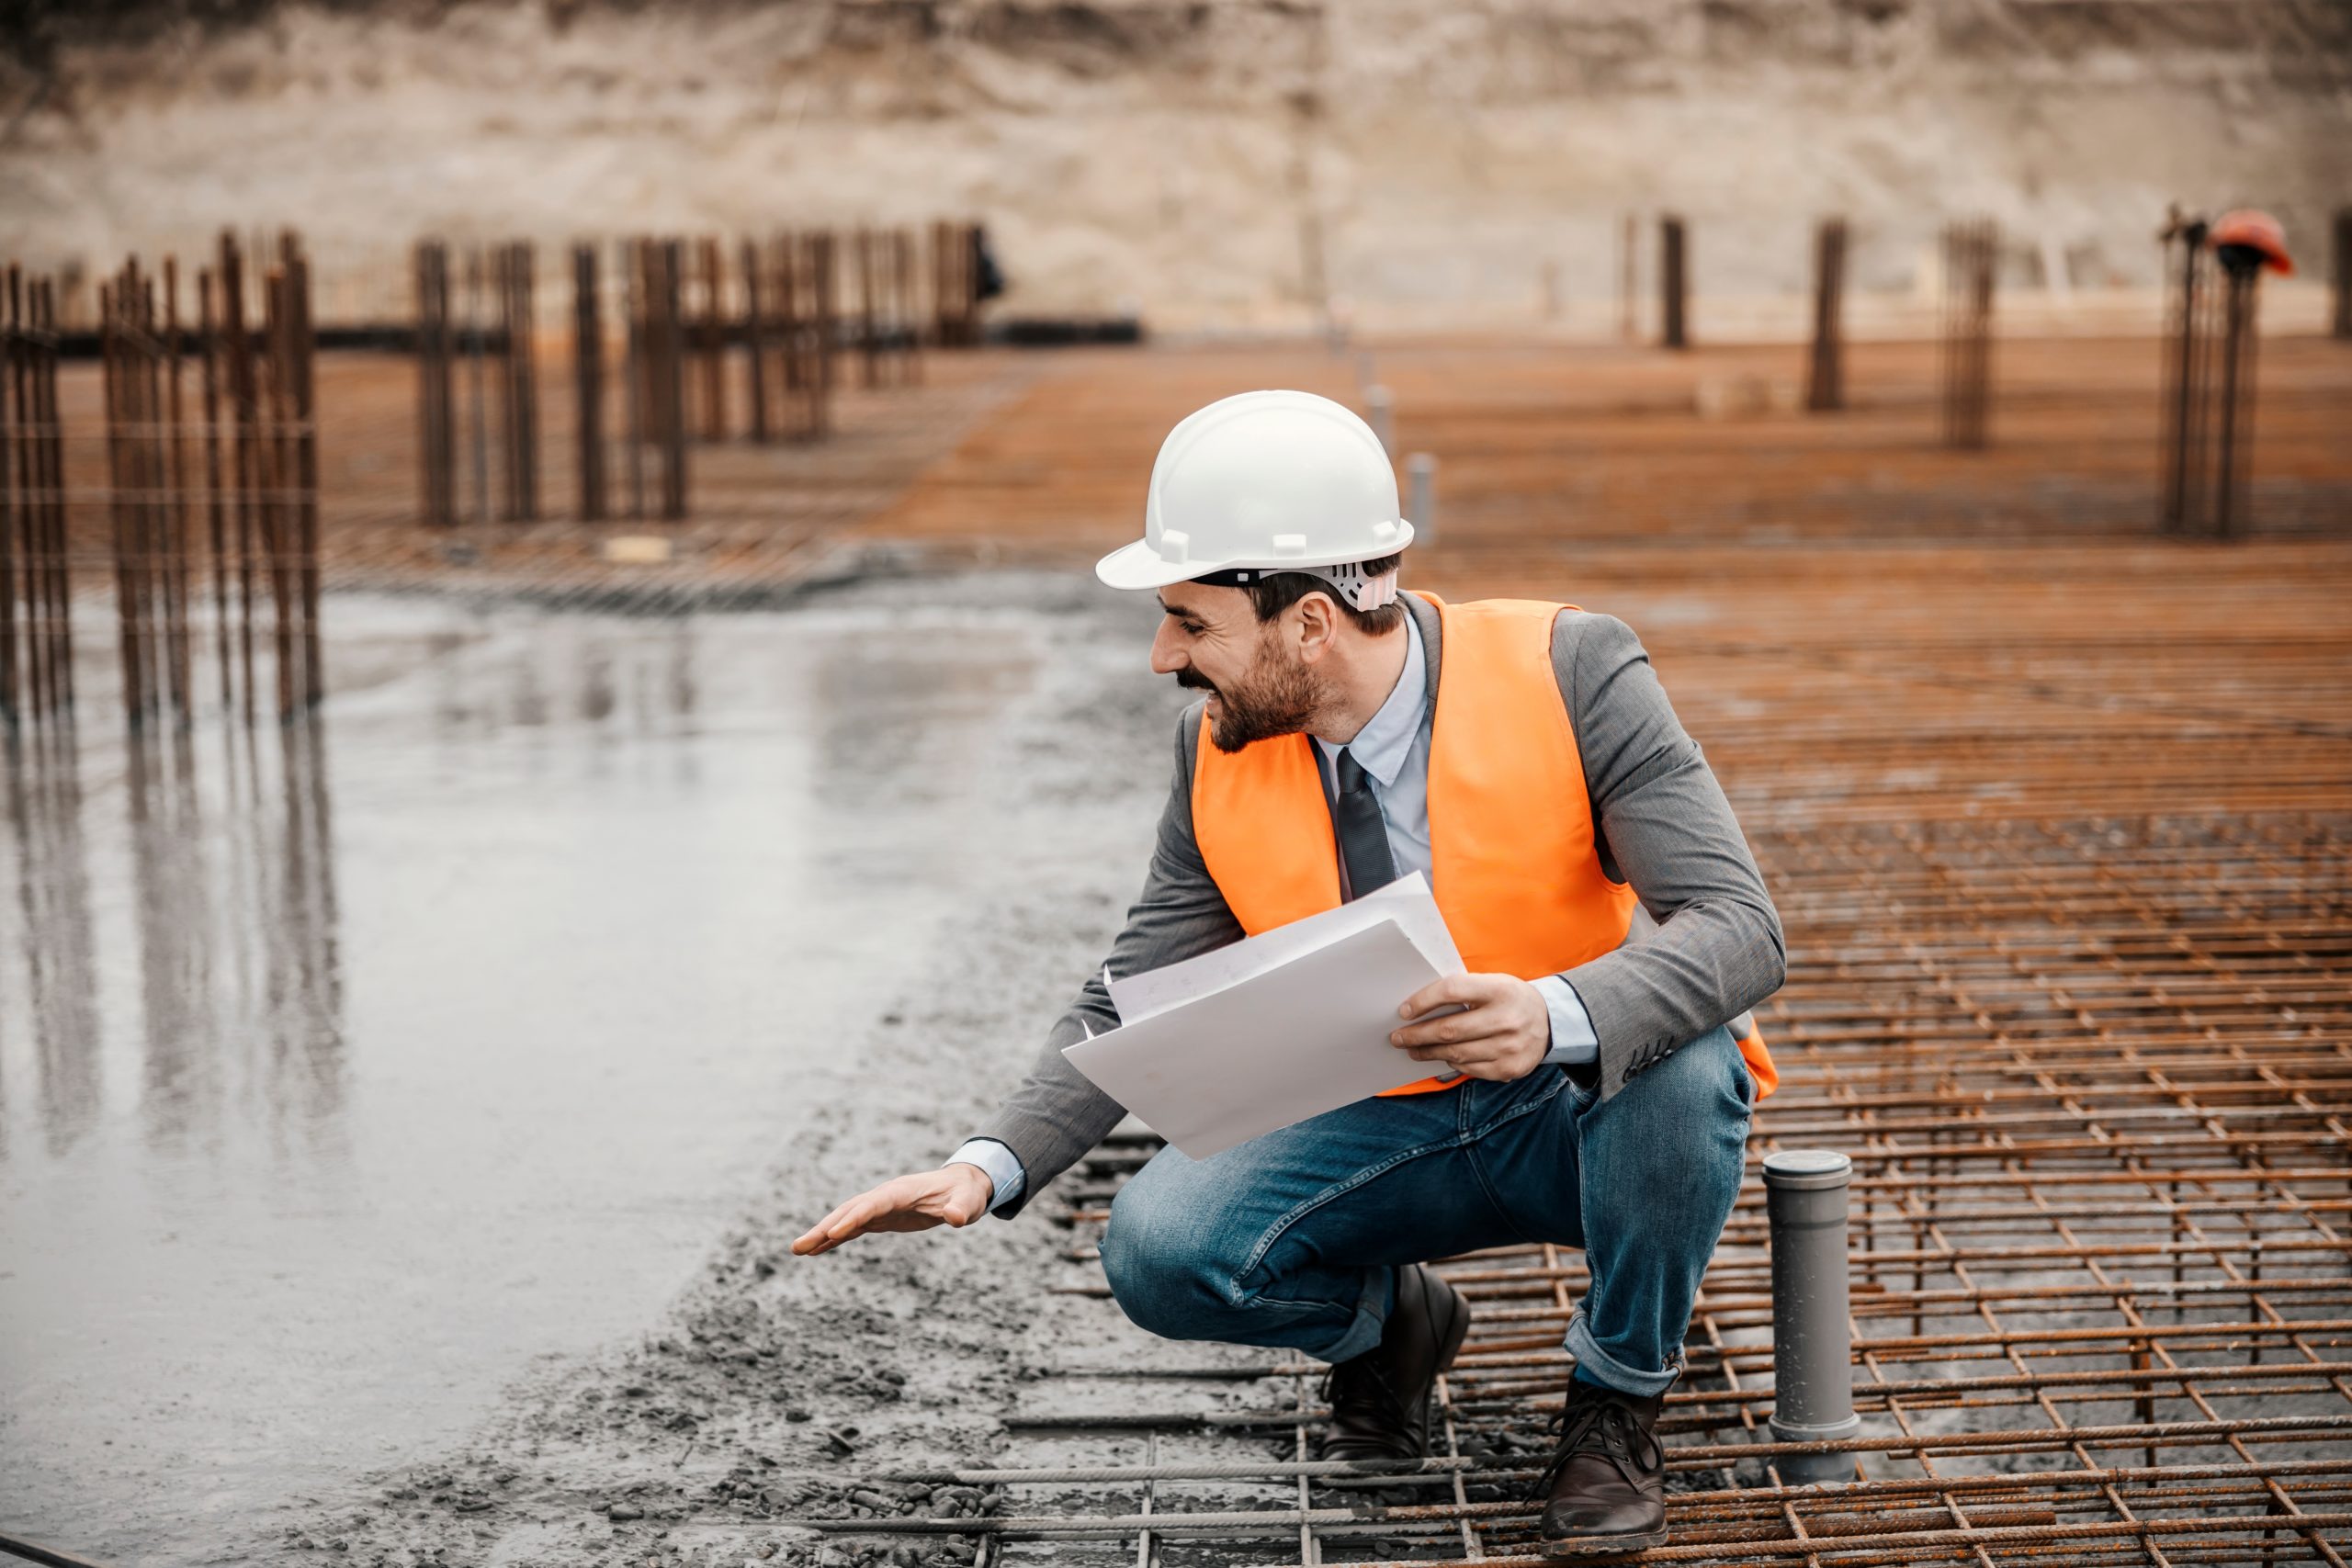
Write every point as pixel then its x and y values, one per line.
pixel 1213 162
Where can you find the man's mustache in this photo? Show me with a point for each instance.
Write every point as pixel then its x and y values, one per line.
pixel 1193 680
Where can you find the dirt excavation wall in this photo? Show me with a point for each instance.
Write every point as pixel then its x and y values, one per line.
pixel 1209 162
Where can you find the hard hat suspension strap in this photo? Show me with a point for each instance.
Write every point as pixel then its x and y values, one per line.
pixel 1347 579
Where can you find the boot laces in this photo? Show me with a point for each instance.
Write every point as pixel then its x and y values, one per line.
pixel 1595 1421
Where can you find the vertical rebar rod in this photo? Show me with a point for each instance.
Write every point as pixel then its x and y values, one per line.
pixel 50 444
pixel 1674 284
pixel 244 409
pixel 175 541
pixel 477 368
pixel 1813 1379
pixel 824 272
pixel 906 335
pixel 519 309
pixel 155 590
pixel 1380 412
pixel 791 351
pixel 279 532
pixel 302 339
pixel 755 338
pixel 713 339
pixel 1826 383
pixel 112 354
pixel 633 370
pixel 2182 394
pixel 1970 252
pixel 869 325
pixel 215 520
pixel 670 305
pixel 2235 436
pixel 436 438
pixel 588 381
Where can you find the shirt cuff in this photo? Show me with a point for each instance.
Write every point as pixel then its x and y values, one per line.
pixel 1574 1043
pixel 1003 1167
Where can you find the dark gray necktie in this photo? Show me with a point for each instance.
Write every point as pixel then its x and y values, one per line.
pixel 1364 837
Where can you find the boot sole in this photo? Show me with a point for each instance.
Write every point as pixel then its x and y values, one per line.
pixel 1604 1547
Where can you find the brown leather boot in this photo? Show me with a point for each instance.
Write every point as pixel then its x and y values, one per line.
pixel 1380 1400
pixel 1605 1491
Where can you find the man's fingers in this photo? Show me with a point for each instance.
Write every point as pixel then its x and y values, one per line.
pixel 1452 991
pixel 911 1203
pixel 1452 1028
pixel 846 1222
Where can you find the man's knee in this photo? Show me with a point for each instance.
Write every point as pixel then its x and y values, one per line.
pixel 1162 1254
pixel 1686 1121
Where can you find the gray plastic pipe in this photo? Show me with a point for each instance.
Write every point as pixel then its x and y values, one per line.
pixel 1380 412
pixel 1421 475
pixel 1813 1378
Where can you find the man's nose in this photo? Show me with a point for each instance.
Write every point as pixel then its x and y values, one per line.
pixel 1167 658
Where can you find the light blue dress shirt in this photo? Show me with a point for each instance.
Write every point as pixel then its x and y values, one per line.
pixel 1393 748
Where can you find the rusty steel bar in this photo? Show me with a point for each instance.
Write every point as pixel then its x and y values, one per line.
pixel 436 426
pixel 1673 284
pixel 1826 367
pixel 215 509
pixel 302 351
pixel 755 338
pixel 588 381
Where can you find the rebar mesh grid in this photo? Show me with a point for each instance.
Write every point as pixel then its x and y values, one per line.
pixel 2095 1074
pixel 2102 1310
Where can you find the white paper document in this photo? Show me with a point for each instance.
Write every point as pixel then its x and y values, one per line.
pixel 1271 1030
pixel 1407 900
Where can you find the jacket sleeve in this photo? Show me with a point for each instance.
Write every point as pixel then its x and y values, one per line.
pixel 1057 1113
pixel 1663 825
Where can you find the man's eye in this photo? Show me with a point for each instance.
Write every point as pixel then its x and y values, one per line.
pixel 1191 630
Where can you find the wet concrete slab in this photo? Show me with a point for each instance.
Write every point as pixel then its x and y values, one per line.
pixel 350 1073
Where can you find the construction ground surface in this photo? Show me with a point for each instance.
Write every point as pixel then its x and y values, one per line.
pixel 2058 816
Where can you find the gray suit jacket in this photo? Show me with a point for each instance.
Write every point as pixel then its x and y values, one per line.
pixel 1662 823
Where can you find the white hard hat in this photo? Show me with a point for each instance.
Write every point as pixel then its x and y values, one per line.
pixel 1267 481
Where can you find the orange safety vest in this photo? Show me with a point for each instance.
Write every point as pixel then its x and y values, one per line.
pixel 1513 862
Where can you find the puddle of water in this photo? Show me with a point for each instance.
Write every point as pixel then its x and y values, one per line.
pixel 346 1074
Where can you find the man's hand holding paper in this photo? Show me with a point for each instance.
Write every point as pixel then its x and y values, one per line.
pixel 1482 1026
pixel 1305 1019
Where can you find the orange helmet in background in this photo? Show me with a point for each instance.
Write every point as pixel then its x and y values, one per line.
pixel 2257 233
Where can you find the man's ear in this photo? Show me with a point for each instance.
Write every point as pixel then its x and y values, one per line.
pixel 1318 626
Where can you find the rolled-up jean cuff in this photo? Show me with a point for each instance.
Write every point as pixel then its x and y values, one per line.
pixel 1602 1368
pixel 1371 1319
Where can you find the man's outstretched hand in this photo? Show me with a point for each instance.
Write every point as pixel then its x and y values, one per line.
pixel 952 1195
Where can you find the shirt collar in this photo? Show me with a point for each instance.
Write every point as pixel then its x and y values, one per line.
pixel 1381 746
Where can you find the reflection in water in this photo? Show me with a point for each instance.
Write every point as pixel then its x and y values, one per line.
pixel 376 1087
pixel 232 907
pixel 60 986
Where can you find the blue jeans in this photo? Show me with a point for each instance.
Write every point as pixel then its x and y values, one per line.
pixel 1290 1239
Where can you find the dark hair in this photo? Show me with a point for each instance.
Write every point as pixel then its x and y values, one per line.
pixel 1272 594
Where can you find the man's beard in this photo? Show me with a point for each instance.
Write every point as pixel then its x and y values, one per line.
pixel 1278 699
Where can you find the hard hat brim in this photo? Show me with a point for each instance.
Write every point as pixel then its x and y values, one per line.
pixel 1138 566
